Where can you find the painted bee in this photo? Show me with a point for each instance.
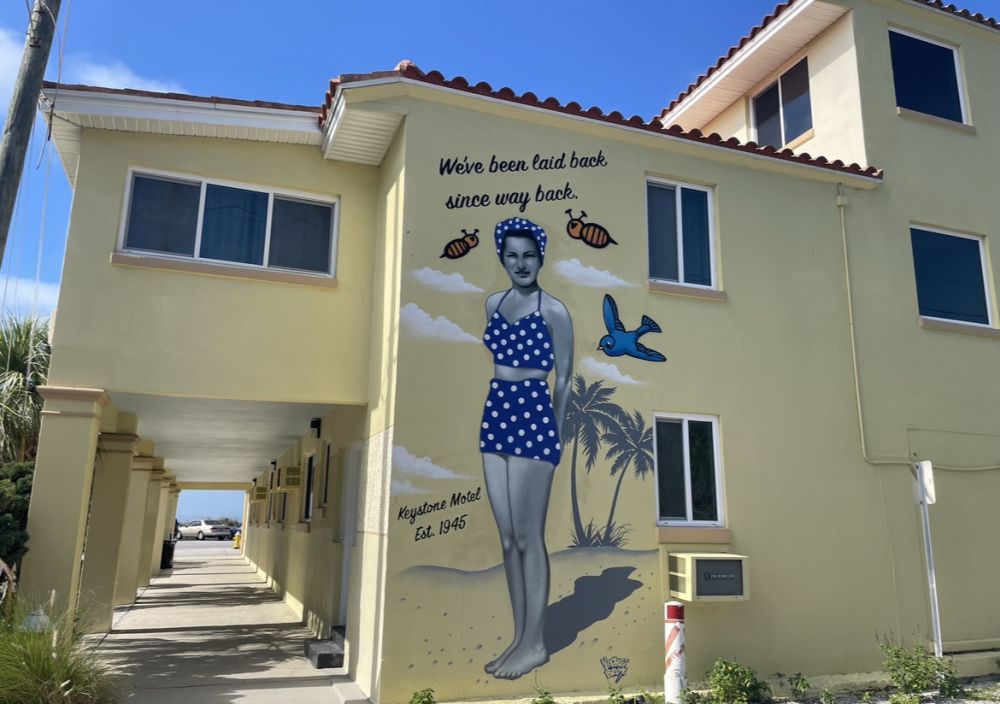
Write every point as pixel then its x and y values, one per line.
pixel 590 232
pixel 456 249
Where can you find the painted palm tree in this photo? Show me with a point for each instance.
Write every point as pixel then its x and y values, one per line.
pixel 591 413
pixel 630 444
pixel 24 366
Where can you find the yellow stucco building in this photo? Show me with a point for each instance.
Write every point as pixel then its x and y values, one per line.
pixel 290 301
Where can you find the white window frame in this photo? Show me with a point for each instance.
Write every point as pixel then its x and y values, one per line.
pixel 717 450
pixel 203 183
pixel 983 271
pixel 677 186
pixel 781 105
pixel 956 62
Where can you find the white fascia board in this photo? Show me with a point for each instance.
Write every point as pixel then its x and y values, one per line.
pixel 861 180
pixel 71 102
pixel 737 59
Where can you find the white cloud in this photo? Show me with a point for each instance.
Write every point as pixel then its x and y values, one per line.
pixel 11 46
pixel 405 486
pixel 405 462
pixel 606 370
pixel 440 281
pixel 17 296
pixel 81 68
pixel 417 322
pixel 579 273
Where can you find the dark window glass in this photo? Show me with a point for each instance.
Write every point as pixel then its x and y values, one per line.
pixel 163 215
pixel 924 77
pixel 949 273
pixel 661 205
pixel 326 475
pixel 701 450
pixel 783 112
pixel 795 105
pixel 767 115
pixel 308 509
pixel 284 506
pixel 233 226
pixel 670 470
pixel 694 220
pixel 300 235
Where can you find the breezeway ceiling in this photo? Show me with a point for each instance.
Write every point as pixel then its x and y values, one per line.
pixel 209 440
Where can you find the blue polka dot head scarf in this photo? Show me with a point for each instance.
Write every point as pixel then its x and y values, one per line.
pixel 523 228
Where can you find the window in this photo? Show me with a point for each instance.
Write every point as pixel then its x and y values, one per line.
pixel 307 510
pixel 270 499
pixel 925 76
pixel 688 470
pixel 680 233
pixel 951 277
pixel 229 223
pixel 326 474
pixel 783 111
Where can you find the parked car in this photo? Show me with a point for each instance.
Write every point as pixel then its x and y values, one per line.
pixel 236 529
pixel 204 528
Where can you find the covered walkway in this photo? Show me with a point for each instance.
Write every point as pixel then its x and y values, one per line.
pixel 210 631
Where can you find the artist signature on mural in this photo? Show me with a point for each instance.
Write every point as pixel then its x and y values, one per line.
pixel 615 669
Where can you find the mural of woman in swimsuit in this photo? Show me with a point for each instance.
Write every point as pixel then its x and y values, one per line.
pixel 529 333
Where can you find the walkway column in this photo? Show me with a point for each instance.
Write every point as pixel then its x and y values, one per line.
pixel 127 581
pixel 175 495
pixel 150 518
pixel 159 524
pixel 104 537
pixel 64 472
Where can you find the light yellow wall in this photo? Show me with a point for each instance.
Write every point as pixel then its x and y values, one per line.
pixel 115 319
pixel 834 96
pixel 926 393
pixel 305 566
pixel 776 346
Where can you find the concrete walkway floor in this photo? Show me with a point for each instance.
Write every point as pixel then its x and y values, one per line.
pixel 209 631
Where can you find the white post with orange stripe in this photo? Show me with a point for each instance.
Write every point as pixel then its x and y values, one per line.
pixel 675 662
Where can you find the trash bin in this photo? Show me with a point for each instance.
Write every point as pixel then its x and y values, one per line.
pixel 167 556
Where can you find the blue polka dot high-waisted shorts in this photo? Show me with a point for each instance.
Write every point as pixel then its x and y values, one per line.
pixel 518 420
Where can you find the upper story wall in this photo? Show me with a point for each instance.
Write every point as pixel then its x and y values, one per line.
pixel 162 331
pixel 837 128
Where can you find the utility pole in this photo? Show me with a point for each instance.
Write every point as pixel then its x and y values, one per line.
pixel 23 103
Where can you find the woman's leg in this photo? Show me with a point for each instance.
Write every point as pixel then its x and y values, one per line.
pixel 528 485
pixel 495 472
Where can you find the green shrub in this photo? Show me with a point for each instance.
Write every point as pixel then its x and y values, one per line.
pixel 542 695
pixel 689 696
pixel 916 671
pixel 900 698
pixel 732 683
pixel 826 697
pixel 421 696
pixel 50 665
pixel 797 684
pixel 15 493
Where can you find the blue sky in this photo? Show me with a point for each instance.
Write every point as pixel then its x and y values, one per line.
pixel 193 505
pixel 595 53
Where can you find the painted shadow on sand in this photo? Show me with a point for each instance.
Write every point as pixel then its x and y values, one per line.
pixel 593 599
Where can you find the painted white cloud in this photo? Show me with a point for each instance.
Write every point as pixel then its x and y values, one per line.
pixel 417 322
pixel 579 273
pixel 406 463
pixel 18 297
pixel 405 486
pixel 81 68
pixel 440 281
pixel 606 370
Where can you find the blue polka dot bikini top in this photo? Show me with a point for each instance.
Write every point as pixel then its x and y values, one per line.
pixel 526 343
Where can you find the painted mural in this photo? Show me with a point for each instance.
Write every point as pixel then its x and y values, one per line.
pixel 526 567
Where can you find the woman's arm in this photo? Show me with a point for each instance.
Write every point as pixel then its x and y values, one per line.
pixel 561 326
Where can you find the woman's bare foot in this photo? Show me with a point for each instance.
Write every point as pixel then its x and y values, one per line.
pixel 495 663
pixel 522 661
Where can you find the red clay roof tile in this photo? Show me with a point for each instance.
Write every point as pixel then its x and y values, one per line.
pixel 407 69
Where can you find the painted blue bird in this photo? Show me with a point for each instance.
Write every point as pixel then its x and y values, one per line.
pixel 619 341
